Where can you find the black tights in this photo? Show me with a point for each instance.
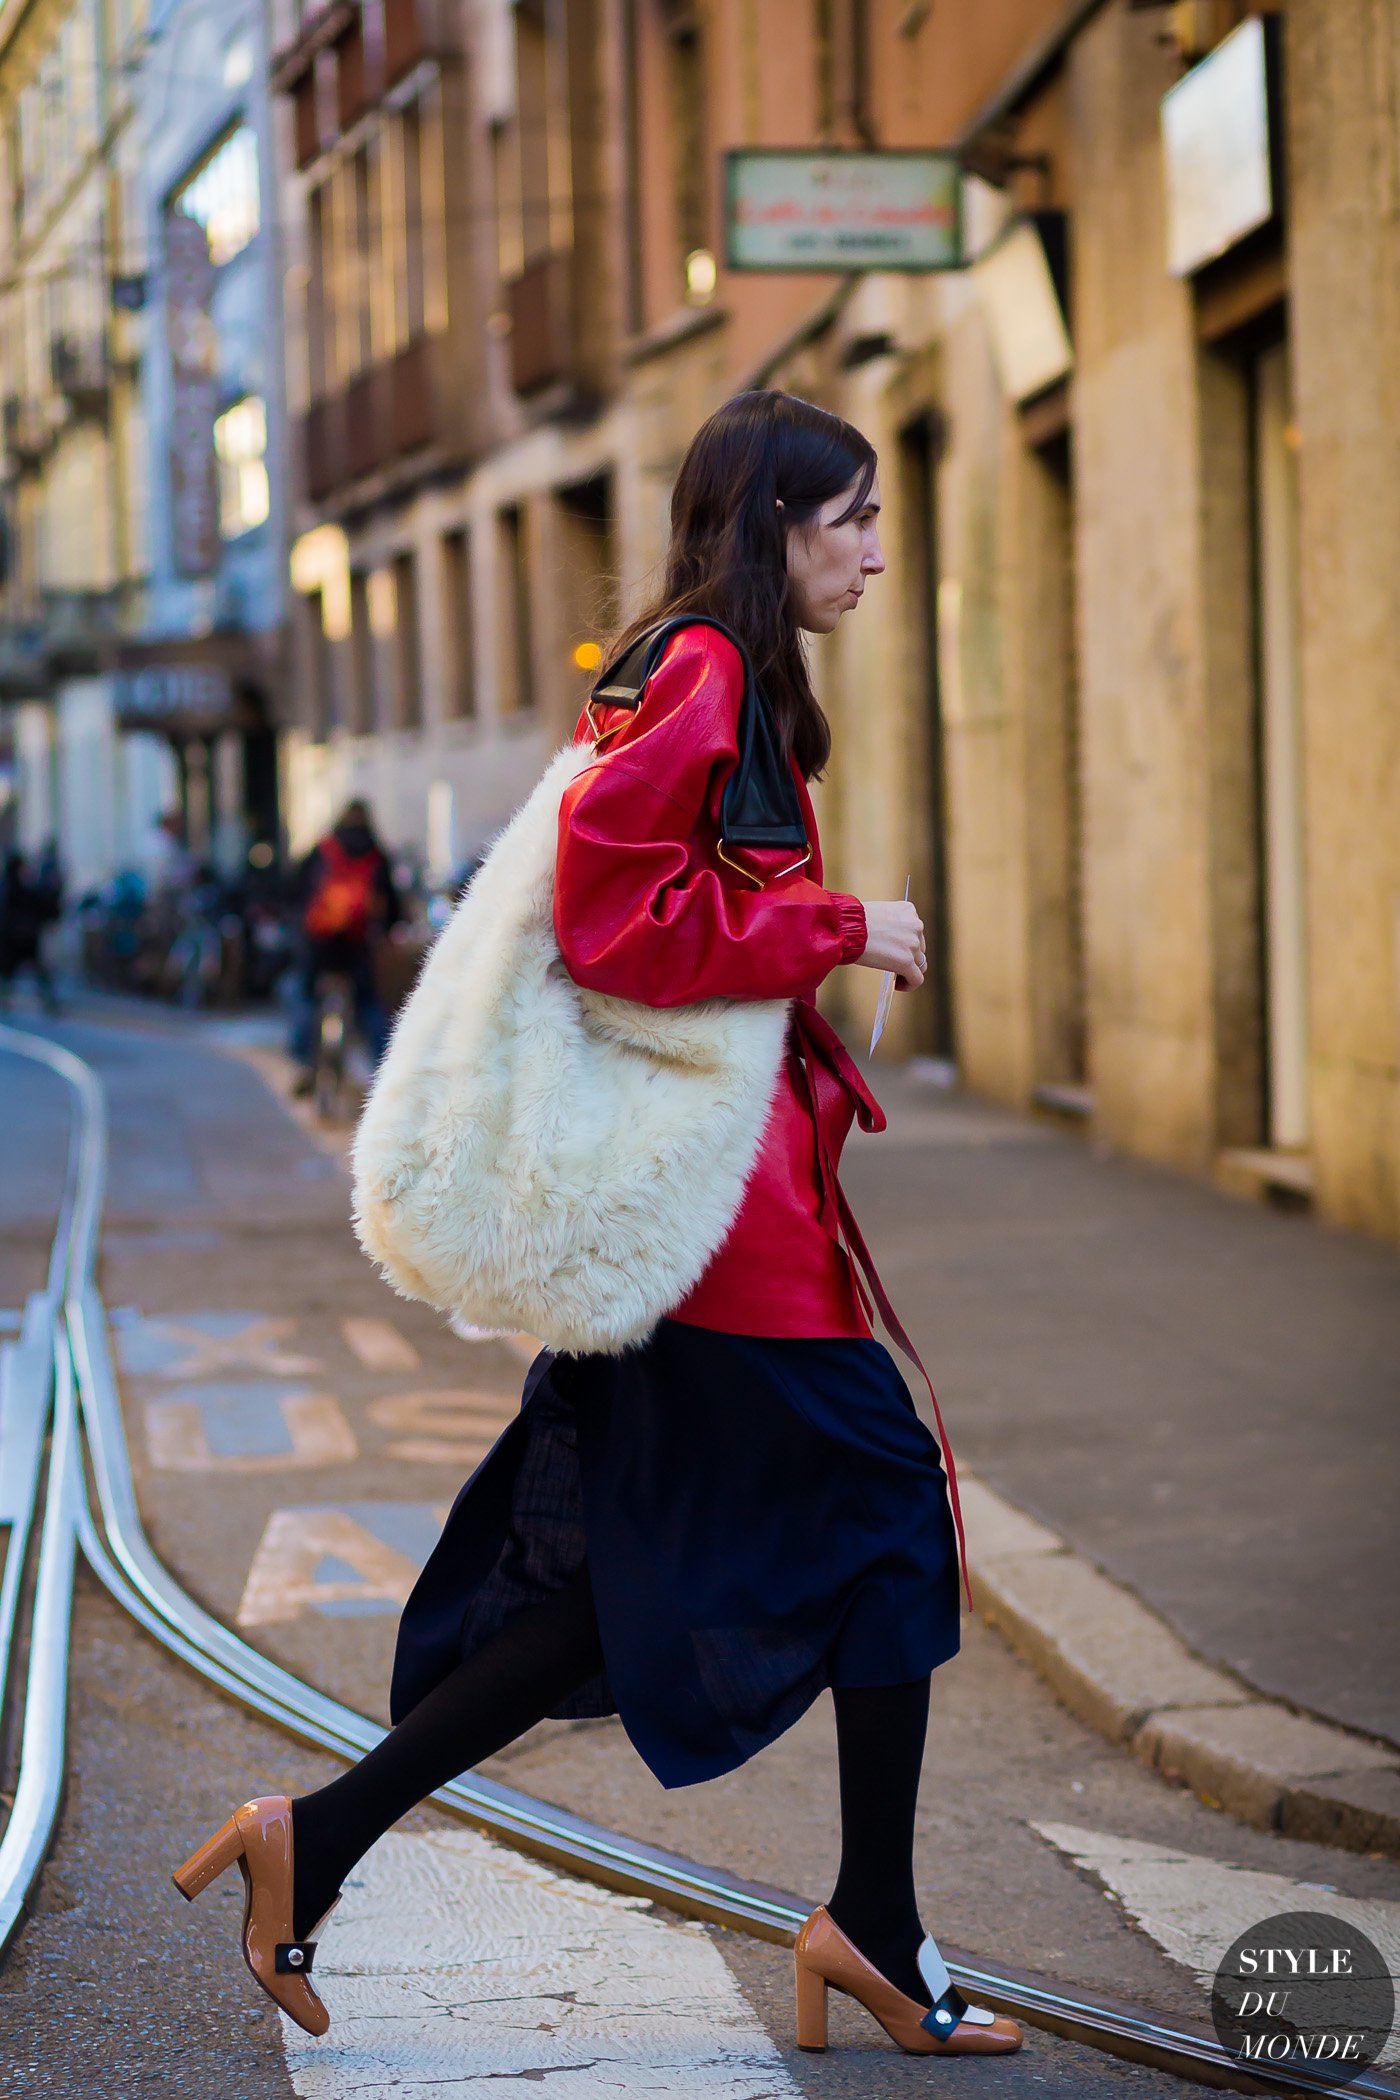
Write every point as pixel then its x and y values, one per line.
pixel 537 1659
pixel 512 1681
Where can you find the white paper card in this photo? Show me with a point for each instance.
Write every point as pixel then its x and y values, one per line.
pixel 882 1003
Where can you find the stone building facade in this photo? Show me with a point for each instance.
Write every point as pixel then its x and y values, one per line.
pixel 142 595
pixel 1123 707
pixel 70 418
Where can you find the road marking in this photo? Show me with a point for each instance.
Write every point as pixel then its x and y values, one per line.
pixel 453 1964
pixel 445 1451
pixel 203 1345
pixel 361 1558
pixel 1195 1907
pixel 379 1345
pixel 443 1428
pixel 249 1428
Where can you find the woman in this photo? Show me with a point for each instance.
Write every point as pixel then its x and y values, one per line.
pixel 703 1533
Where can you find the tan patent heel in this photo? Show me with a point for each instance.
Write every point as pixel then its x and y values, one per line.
pixel 811 2007
pixel 826 1959
pixel 258 1837
pixel 209 1862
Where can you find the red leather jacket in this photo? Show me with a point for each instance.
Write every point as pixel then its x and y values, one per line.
pixel 646 909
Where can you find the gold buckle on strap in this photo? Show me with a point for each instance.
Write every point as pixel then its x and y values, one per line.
pixel 761 881
pixel 600 736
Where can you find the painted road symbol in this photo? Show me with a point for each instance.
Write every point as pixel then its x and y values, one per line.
pixel 379 1345
pixel 254 1426
pixel 1194 1907
pixel 358 1558
pixel 443 1428
pixel 206 1344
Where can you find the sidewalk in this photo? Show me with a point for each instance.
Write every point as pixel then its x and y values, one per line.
pixel 1195 1400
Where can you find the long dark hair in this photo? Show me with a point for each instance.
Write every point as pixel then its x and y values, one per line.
pixel 727 551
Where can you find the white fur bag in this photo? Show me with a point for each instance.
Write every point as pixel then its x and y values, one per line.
pixel 538 1157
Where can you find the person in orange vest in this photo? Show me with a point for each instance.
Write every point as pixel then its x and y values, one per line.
pixel 348 904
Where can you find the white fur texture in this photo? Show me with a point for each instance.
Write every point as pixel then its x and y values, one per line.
pixel 538 1157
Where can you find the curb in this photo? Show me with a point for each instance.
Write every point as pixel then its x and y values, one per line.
pixel 1119 1667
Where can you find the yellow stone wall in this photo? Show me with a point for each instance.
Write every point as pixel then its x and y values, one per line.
pixel 1345 273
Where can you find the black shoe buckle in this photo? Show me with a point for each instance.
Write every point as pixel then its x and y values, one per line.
pixel 944 2014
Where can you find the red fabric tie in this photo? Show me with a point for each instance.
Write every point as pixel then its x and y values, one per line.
pixel 835 1087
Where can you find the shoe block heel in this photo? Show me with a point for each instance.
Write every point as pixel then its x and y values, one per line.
pixel 811 2008
pixel 206 1865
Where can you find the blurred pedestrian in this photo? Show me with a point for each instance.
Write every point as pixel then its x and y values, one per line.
pixel 168 864
pixel 30 901
pixel 348 901
pixel 49 876
pixel 703 1531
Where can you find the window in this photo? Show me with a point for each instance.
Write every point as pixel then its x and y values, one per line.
pixel 685 66
pixel 315 664
pixel 388 611
pixel 237 63
pixel 532 75
pixel 534 207
pixel 383 622
pixel 825 80
pixel 224 195
pixel 460 682
pixel 78 45
pixel 516 641
pixel 586 583
pixel 411 287
pixel 510 250
pixel 240 444
pixel 408 684
pixel 380 263
pixel 362 710
pixel 318 352
pixel 340 278
pixel 360 244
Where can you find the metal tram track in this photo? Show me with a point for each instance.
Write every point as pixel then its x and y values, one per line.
pixel 58 1395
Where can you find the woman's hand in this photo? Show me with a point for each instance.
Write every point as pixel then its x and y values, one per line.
pixel 895 941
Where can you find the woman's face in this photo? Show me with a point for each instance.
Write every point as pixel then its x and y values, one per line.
pixel 828 563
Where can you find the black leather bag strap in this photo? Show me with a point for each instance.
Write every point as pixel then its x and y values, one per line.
pixel 760 806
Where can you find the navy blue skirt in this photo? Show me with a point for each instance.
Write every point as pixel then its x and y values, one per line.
pixel 762 1517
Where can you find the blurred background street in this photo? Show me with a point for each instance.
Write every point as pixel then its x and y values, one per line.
pixel 348 350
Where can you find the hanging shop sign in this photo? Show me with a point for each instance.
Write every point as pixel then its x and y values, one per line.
pixel 1020 283
pixel 791 209
pixel 194 403
pixel 183 699
pixel 1217 145
pixel 193 685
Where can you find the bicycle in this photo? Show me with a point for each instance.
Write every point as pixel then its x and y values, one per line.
pixel 335 1014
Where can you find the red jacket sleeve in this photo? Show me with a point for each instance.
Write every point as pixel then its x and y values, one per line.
pixel 634 915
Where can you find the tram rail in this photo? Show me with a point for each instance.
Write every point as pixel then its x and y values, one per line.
pixel 59 1401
